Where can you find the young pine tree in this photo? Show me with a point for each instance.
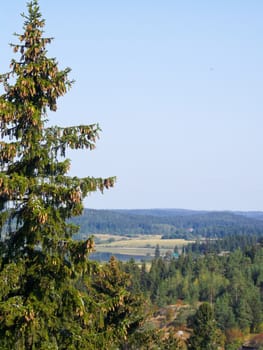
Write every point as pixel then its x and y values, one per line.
pixel 40 306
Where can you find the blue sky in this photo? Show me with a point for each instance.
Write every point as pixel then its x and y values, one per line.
pixel 176 87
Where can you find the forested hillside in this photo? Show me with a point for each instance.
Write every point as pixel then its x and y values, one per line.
pixel 171 223
pixel 229 286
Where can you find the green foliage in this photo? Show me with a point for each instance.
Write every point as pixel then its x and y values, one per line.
pixel 51 295
pixel 205 335
pixel 230 282
pixel 173 224
pixel 157 252
pixel 37 196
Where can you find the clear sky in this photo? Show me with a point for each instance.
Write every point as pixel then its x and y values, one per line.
pixel 177 88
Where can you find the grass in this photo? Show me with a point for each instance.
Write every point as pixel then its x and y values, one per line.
pixel 139 245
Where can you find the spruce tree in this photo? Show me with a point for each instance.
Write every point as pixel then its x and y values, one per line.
pixel 205 335
pixel 41 306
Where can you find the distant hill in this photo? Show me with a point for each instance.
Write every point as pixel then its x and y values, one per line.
pixel 160 212
pixel 251 214
pixel 172 223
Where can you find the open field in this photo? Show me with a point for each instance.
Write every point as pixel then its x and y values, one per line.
pixel 140 245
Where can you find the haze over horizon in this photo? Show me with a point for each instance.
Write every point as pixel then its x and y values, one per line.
pixel 178 209
pixel 177 90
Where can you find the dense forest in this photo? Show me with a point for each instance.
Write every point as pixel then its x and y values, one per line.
pixel 232 285
pixel 171 223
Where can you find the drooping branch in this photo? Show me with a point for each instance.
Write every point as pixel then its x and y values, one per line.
pixel 75 137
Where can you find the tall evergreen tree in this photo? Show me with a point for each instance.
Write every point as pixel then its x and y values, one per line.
pixel 205 334
pixel 40 306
